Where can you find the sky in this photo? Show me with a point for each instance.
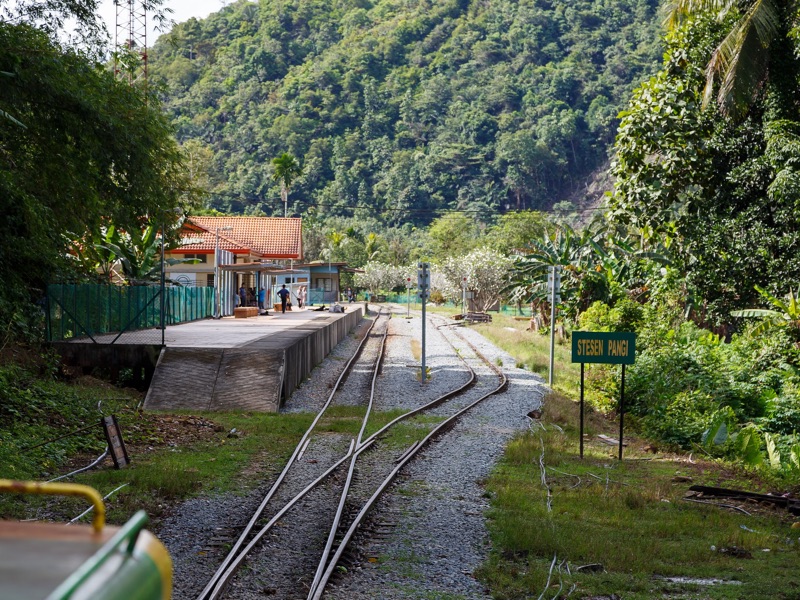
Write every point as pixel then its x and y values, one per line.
pixel 183 10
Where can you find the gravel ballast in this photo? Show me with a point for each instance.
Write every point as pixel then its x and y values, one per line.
pixel 437 532
pixel 427 534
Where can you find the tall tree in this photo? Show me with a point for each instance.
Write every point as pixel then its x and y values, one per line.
pixel 286 171
pixel 81 150
pixel 722 192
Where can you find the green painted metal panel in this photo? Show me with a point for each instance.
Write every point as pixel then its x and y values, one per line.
pixel 90 309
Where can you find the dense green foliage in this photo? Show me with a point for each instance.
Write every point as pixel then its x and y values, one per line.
pixel 78 149
pixel 686 379
pixel 406 107
pixel 718 185
pixel 722 192
pixel 36 410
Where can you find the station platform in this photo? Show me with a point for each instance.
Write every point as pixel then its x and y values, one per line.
pixel 251 364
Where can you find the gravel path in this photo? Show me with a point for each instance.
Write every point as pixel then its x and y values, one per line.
pixel 428 532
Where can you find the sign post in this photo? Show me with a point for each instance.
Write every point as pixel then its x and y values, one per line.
pixel 116 445
pixel 615 348
pixel 408 297
pixel 554 289
pixel 423 283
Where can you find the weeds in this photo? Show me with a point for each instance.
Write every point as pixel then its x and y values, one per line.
pixel 627 516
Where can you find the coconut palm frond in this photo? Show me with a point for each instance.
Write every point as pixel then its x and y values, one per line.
pixel 739 64
pixel 744 57
pixel 678 11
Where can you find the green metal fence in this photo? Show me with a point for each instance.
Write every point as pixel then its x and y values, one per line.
pixel 506 309
pixel 184 304
pixel 103 313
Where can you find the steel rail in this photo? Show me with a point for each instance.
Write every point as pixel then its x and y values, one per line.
pixel 224 578
pixel 221 579
pixel 337 520
pixel 316 593
pixel 231 556
pixel 351 470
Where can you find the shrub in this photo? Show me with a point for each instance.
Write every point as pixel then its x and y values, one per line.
pixel 626 315
pixel 783 412
pixel 683 421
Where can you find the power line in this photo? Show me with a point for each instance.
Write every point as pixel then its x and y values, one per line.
pixel 408 209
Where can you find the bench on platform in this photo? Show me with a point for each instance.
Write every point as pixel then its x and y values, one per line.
pixel 242 312
pixel 277 307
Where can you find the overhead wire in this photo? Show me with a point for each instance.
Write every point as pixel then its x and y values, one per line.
pixel 411 210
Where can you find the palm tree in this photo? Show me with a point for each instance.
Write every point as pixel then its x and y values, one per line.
pixel 286 171
pixel 372 246
pixel 741 61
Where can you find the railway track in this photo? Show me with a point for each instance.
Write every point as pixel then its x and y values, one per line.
pixel 301 531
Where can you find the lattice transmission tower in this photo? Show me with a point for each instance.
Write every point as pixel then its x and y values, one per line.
pixel 131 40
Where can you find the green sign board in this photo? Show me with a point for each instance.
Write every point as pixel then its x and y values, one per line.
pixel 617 348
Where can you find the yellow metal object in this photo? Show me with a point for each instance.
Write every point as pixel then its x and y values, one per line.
pixel 60 489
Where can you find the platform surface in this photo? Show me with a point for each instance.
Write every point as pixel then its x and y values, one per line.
pixel 230 332
pixel 247 364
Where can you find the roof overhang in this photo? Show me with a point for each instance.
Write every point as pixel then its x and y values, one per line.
pixel 259 267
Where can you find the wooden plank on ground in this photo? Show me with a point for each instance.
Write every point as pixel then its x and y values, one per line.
pixel 610 441
pixel 782 501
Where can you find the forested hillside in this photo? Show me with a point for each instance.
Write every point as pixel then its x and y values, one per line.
pixel 404 106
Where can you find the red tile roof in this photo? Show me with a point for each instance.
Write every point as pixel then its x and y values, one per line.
pixel 267 237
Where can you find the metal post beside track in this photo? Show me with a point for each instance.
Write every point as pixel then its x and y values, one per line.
pixel 423 284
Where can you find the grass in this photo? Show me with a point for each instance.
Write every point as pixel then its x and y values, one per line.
pixel 342 419
pixel 530 350
pixel 627 516
pixel 165 469
pixel 533 351
pixel 162 473
pixel 212 466
pixel 408 431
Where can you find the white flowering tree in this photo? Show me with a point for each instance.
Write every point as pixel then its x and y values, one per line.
pixel 380 276
pixel 487 273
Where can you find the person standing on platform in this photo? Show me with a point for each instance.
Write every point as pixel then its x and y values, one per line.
pixel 242 296
pixel 262 298
pixel 301 297
pixel 284 294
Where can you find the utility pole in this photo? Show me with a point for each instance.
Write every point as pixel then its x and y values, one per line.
pixel 554 289
pixel 163 282
pixel 408 297
pixel 423 283
pixel 217 302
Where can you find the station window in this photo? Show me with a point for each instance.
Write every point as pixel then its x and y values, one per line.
pixel 323 283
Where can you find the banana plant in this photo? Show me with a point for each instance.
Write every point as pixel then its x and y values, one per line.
pixel 139 254
pixel 93 255
pixel 784 313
